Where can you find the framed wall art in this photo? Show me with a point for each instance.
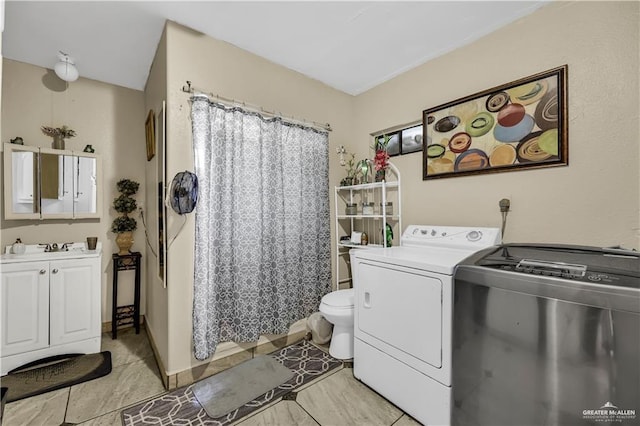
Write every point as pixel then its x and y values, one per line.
pixel 150 131
pixel 515 126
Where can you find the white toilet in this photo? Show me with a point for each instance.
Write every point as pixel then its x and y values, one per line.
pixel 337 308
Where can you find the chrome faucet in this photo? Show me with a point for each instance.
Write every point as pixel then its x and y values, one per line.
pixel 52 248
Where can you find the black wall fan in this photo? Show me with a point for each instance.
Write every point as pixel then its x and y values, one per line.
pixel 183 194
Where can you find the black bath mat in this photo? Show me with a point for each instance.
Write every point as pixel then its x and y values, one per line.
pixel 55 372
pixel 181 407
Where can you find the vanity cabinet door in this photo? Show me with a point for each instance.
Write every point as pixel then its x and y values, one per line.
pixel 25 307
pixel 75 300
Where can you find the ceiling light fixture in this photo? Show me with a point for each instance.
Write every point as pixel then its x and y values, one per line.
pixel 66 68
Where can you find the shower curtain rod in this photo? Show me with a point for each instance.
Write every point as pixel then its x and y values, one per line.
pixel 189 88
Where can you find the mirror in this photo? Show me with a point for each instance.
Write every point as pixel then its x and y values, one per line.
pixel 162 193
pixel 22 163
pixel 85 172
pixel 56 185
pixel 51 184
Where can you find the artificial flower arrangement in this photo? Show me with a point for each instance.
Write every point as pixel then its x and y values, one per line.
pixel 352 170
pixel 63 131
pixel 381 157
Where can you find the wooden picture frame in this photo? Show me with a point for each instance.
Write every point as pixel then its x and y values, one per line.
pixel 515 126
pixel 150 131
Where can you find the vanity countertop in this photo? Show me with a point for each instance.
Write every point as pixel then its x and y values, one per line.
pixel 36 252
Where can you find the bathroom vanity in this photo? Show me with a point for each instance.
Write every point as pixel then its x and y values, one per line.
pixel 49 304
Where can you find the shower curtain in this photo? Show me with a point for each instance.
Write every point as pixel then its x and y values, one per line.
pixel 262 243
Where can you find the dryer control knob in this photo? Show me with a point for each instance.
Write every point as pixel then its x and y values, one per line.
pixel 474 235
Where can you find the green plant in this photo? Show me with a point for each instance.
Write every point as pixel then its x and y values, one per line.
pixel 351 166
pixel 123 224
pixel 125 204
pixel 63 131
pixel 381 143
pixel 381 157
pixel 128 186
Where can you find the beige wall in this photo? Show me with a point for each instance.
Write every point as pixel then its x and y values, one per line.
pixel 232 73
pixel 593 201
pixel 111 118
pixel 157 309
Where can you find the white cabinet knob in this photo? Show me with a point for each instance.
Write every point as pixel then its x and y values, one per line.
pixel 55 271
pixel 43 271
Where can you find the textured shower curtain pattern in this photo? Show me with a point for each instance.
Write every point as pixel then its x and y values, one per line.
pixel 262 243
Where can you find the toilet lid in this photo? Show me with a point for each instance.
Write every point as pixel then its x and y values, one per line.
pixel 340 298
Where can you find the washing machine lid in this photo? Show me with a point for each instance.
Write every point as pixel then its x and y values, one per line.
pixel 603 266
pixel 440 260
pixel 340 298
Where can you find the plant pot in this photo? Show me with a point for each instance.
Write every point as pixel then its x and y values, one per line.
pixel 348 181
pixel 124 240
pixel 380 175
pixel 58 142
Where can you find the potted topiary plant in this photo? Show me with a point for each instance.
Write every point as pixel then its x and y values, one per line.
pixel 124 225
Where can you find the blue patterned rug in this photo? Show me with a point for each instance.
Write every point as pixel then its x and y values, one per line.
pixel 180 407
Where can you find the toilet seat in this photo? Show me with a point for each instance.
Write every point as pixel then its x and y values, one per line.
pixel 340 299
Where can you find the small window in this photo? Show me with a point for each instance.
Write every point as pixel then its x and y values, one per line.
pixel 407 140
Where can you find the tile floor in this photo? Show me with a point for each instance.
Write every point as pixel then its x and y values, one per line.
pixel 335 399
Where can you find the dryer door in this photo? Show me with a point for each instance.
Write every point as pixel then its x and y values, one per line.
pixel 399 311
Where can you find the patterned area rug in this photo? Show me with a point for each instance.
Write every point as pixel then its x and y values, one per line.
pixel 180 407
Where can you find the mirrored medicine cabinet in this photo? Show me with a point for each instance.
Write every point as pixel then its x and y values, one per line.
pixel 43 183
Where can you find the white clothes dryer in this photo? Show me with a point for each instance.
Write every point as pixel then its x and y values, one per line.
pixel 403 316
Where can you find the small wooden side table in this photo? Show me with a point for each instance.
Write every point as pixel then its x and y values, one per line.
pixel 128 314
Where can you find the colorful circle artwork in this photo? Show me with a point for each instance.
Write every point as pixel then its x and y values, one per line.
pixel 514 133
pixel 447 124
pixel 546 114
pixel 503 155
pixel 511 115
pixel 435 150
pixel 528 93
pixel 497 101
pixel 473 159
pixel 548 141
pixel 480 125
pixel 529 150
pixel 460 142
pixel 504 128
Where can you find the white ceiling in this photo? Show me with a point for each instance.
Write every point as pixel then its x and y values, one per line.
pixel 351 46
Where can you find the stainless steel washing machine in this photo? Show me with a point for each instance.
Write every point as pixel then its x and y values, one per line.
pixel 546 335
